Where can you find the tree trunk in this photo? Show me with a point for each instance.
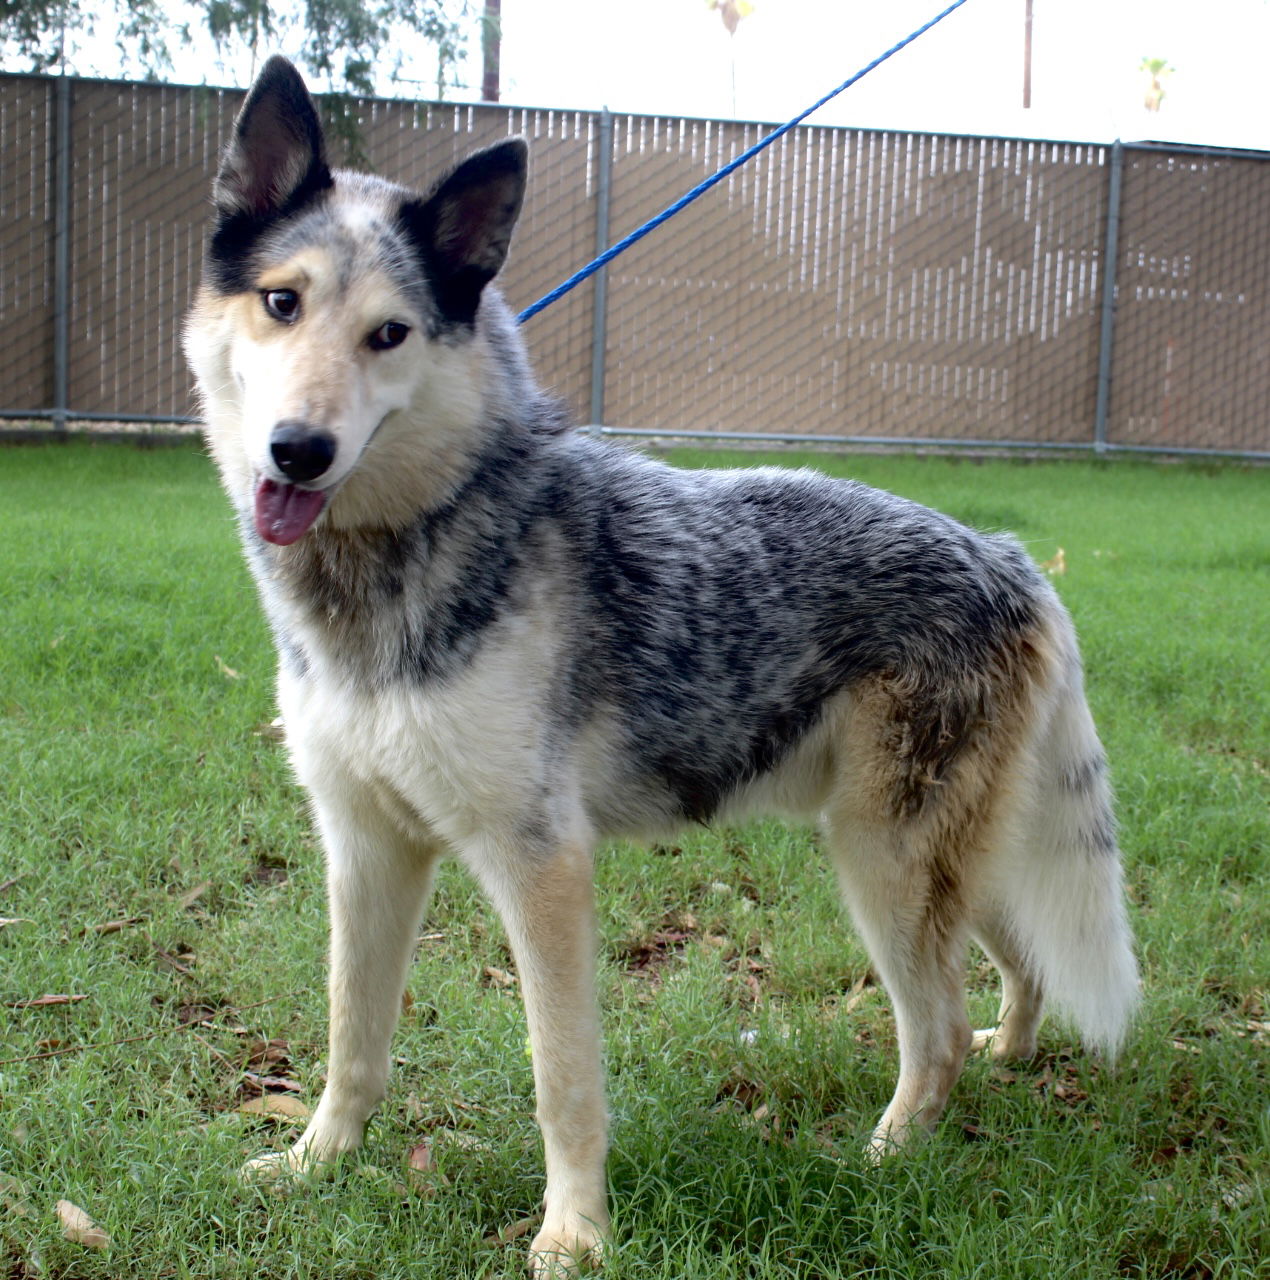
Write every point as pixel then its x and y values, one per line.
pixel 491 46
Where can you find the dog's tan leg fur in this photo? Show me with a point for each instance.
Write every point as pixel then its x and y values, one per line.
pixel 891 896
pixel 548 911
pixel 1014 1036
pixel 377 883
pixel 913 833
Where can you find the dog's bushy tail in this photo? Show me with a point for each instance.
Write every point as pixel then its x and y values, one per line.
pixel 1062 886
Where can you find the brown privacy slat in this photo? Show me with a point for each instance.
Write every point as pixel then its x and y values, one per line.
pixel 1193 322
pixel 862 284
pixel 26 243
pixel 844 283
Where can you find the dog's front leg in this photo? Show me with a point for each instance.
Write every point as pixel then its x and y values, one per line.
pixel 546 903
pixel 377 883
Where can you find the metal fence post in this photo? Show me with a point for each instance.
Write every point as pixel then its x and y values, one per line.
pixel 600 296
pixel 61 251
pixel 1107 325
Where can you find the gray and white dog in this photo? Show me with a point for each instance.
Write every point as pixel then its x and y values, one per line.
pixel 501 640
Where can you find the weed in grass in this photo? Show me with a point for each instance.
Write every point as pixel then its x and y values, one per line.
pixel 152 839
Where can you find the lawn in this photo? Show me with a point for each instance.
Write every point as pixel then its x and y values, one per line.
pixel 158 876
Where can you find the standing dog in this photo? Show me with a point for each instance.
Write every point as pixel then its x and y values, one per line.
pixel 505 641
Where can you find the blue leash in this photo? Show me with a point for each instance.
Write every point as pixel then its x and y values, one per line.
pixel 702 187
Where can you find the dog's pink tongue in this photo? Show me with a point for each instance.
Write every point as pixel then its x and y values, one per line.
pixel 284 513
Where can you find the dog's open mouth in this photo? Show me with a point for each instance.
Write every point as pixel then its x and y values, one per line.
pixel 284 512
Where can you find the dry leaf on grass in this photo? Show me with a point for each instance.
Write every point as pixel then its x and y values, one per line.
pixel 175 962
pixel 460 1139
pixel 463 1140
pixel 271 1084
pixel 268 1053
pixel 13 1197
pixel 1057 566
pixel 866 981
pixel 266 872
pixel 499 977
pixel 1239 1195
pixel 276 1106
pixel 738 1089
pixel 79 1228
pixel 228 672
pixel 112 926
pixel 647 955
pixel 422 1175
pixel 976 1133
pixel 42 1002
pixel 6 921
pixel 191 896
pixel 197 1013
pixel 514 1230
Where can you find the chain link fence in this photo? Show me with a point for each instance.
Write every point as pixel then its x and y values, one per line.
pixel 850 285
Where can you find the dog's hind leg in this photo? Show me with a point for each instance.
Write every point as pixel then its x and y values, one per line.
pixel 547 906
pixel 1022 1001
pixel 912 924
pixel 377 882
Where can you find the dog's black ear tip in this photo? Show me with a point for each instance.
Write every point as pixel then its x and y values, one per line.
pixel 509 156
pixel 277 63
pixel 279 70
pixel 280 82
pixel 505 162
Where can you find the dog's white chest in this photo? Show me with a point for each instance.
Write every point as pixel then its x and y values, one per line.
pixel 455 759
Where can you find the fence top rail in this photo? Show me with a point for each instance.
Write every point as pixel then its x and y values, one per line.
pixel 1196 149
pixel 514 109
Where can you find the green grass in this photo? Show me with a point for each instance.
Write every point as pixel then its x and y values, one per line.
pixel 136 785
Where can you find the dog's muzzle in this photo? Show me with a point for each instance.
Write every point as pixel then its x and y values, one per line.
pixel 300 451
pixel 284 510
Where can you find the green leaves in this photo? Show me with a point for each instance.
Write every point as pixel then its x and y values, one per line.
pixel 343 42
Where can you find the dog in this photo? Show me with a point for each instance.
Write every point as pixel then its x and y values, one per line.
pixel 501 639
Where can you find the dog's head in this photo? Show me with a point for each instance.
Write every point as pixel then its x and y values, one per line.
pixel 339 318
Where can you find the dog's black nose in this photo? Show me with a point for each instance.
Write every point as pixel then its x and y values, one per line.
pixel 301 452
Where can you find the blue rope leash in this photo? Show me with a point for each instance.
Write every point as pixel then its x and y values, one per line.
pixel 702 187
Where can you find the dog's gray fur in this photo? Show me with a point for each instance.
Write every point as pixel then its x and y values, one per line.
pixel 503 639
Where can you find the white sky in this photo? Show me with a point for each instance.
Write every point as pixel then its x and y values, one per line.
pixel 675 57
pixel 966 75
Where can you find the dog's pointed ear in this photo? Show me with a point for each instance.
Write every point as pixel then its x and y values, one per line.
pixel 464 228
pixel 277 156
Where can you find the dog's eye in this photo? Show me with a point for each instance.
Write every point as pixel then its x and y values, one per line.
pixel 282 304
pixel 389 335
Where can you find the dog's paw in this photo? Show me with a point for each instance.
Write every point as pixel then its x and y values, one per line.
pixel 877 1149
pixel 280 1169
pixel 273 1169
pixel 891 1137
pixel 566 1251
pixel 981 1040
pixel 314 1153
pixel 1001 1046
